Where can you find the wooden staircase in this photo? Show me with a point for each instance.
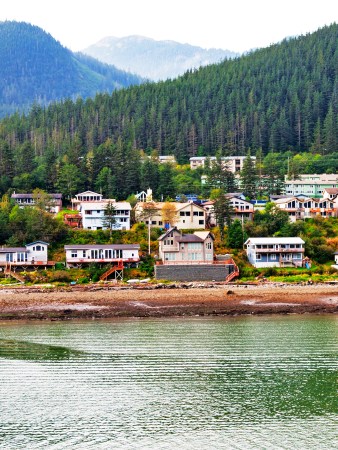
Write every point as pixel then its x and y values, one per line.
pixel 9 272
pixel 232 274
pixel 118 270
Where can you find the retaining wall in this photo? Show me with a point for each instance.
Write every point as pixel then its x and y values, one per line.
pixel 198 272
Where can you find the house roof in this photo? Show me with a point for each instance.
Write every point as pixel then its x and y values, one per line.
pixel 102 247
pixel 204 234
pixel 164 235
pixel 331 191
pixel 189 238
pixel 12 249
pixel 274 240
pixel 89 193
pixel 37 242
pixel 30 195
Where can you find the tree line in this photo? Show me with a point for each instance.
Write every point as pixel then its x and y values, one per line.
pixel 280 103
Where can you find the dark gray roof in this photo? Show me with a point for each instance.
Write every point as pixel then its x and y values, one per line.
pixel 190 238
pixel 30 195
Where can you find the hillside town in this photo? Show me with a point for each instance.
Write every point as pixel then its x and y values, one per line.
pixel 185 248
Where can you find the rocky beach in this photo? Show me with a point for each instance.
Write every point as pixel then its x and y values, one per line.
pixel 160 300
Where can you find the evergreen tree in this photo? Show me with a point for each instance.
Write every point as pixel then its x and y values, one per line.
pixel 223 212
pixel 248 177
pixel 109 220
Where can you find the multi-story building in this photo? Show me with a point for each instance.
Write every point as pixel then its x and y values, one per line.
pixel 233 163
pixel 311 185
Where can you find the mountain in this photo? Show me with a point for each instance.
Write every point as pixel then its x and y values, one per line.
pixel 36 68
pixel 280 100
pixel 155 60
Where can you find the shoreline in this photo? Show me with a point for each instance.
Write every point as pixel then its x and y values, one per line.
pixel 159 300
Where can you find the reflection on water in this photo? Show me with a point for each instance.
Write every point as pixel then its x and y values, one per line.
pixel 170 383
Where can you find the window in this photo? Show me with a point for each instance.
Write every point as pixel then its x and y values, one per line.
pixel 169 256
pixel 88 212
pixel 194 245
pixel 9 257
pixel 22 257
pixel 208 245
pixel 273 256
pixel 258 257
pixel 201 213
pixel 201 222
pixel 195 213
pixel 73 254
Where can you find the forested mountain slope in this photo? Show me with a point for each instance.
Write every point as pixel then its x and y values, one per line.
pixel 36 68
pixel 282 98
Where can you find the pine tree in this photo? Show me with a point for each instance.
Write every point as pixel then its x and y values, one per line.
pixel 248 177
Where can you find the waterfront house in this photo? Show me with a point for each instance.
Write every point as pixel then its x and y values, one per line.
pixel 190 257
pixel 34 254
pixel 275 251
pixel 177 247
pixel 78 255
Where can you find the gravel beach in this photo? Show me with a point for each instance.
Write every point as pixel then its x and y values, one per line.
pixel 190 299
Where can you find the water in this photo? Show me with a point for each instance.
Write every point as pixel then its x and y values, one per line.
pixel 202 383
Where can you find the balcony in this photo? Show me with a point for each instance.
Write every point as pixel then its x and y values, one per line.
pixel 279 250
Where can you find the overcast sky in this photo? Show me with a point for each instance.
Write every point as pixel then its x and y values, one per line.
pixel 237 25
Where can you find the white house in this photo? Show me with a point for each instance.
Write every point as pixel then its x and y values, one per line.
pixel 34 254
pixel 188 215
pixel 275 251
pixel 93 214
pixel 78 255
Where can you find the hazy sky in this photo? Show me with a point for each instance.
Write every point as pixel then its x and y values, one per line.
pixel 236 25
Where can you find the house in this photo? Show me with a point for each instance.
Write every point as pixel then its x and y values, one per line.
pixel 275 251
pixel 78 255
pixel 53 201
pixel 32 255
pixel 93 214
pixel 187 215
pixel 176 247
pixel 190 257
pixel 242 209
pixel 330 193
pixel 233 163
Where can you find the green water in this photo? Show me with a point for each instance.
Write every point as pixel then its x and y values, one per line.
pixel 202 383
